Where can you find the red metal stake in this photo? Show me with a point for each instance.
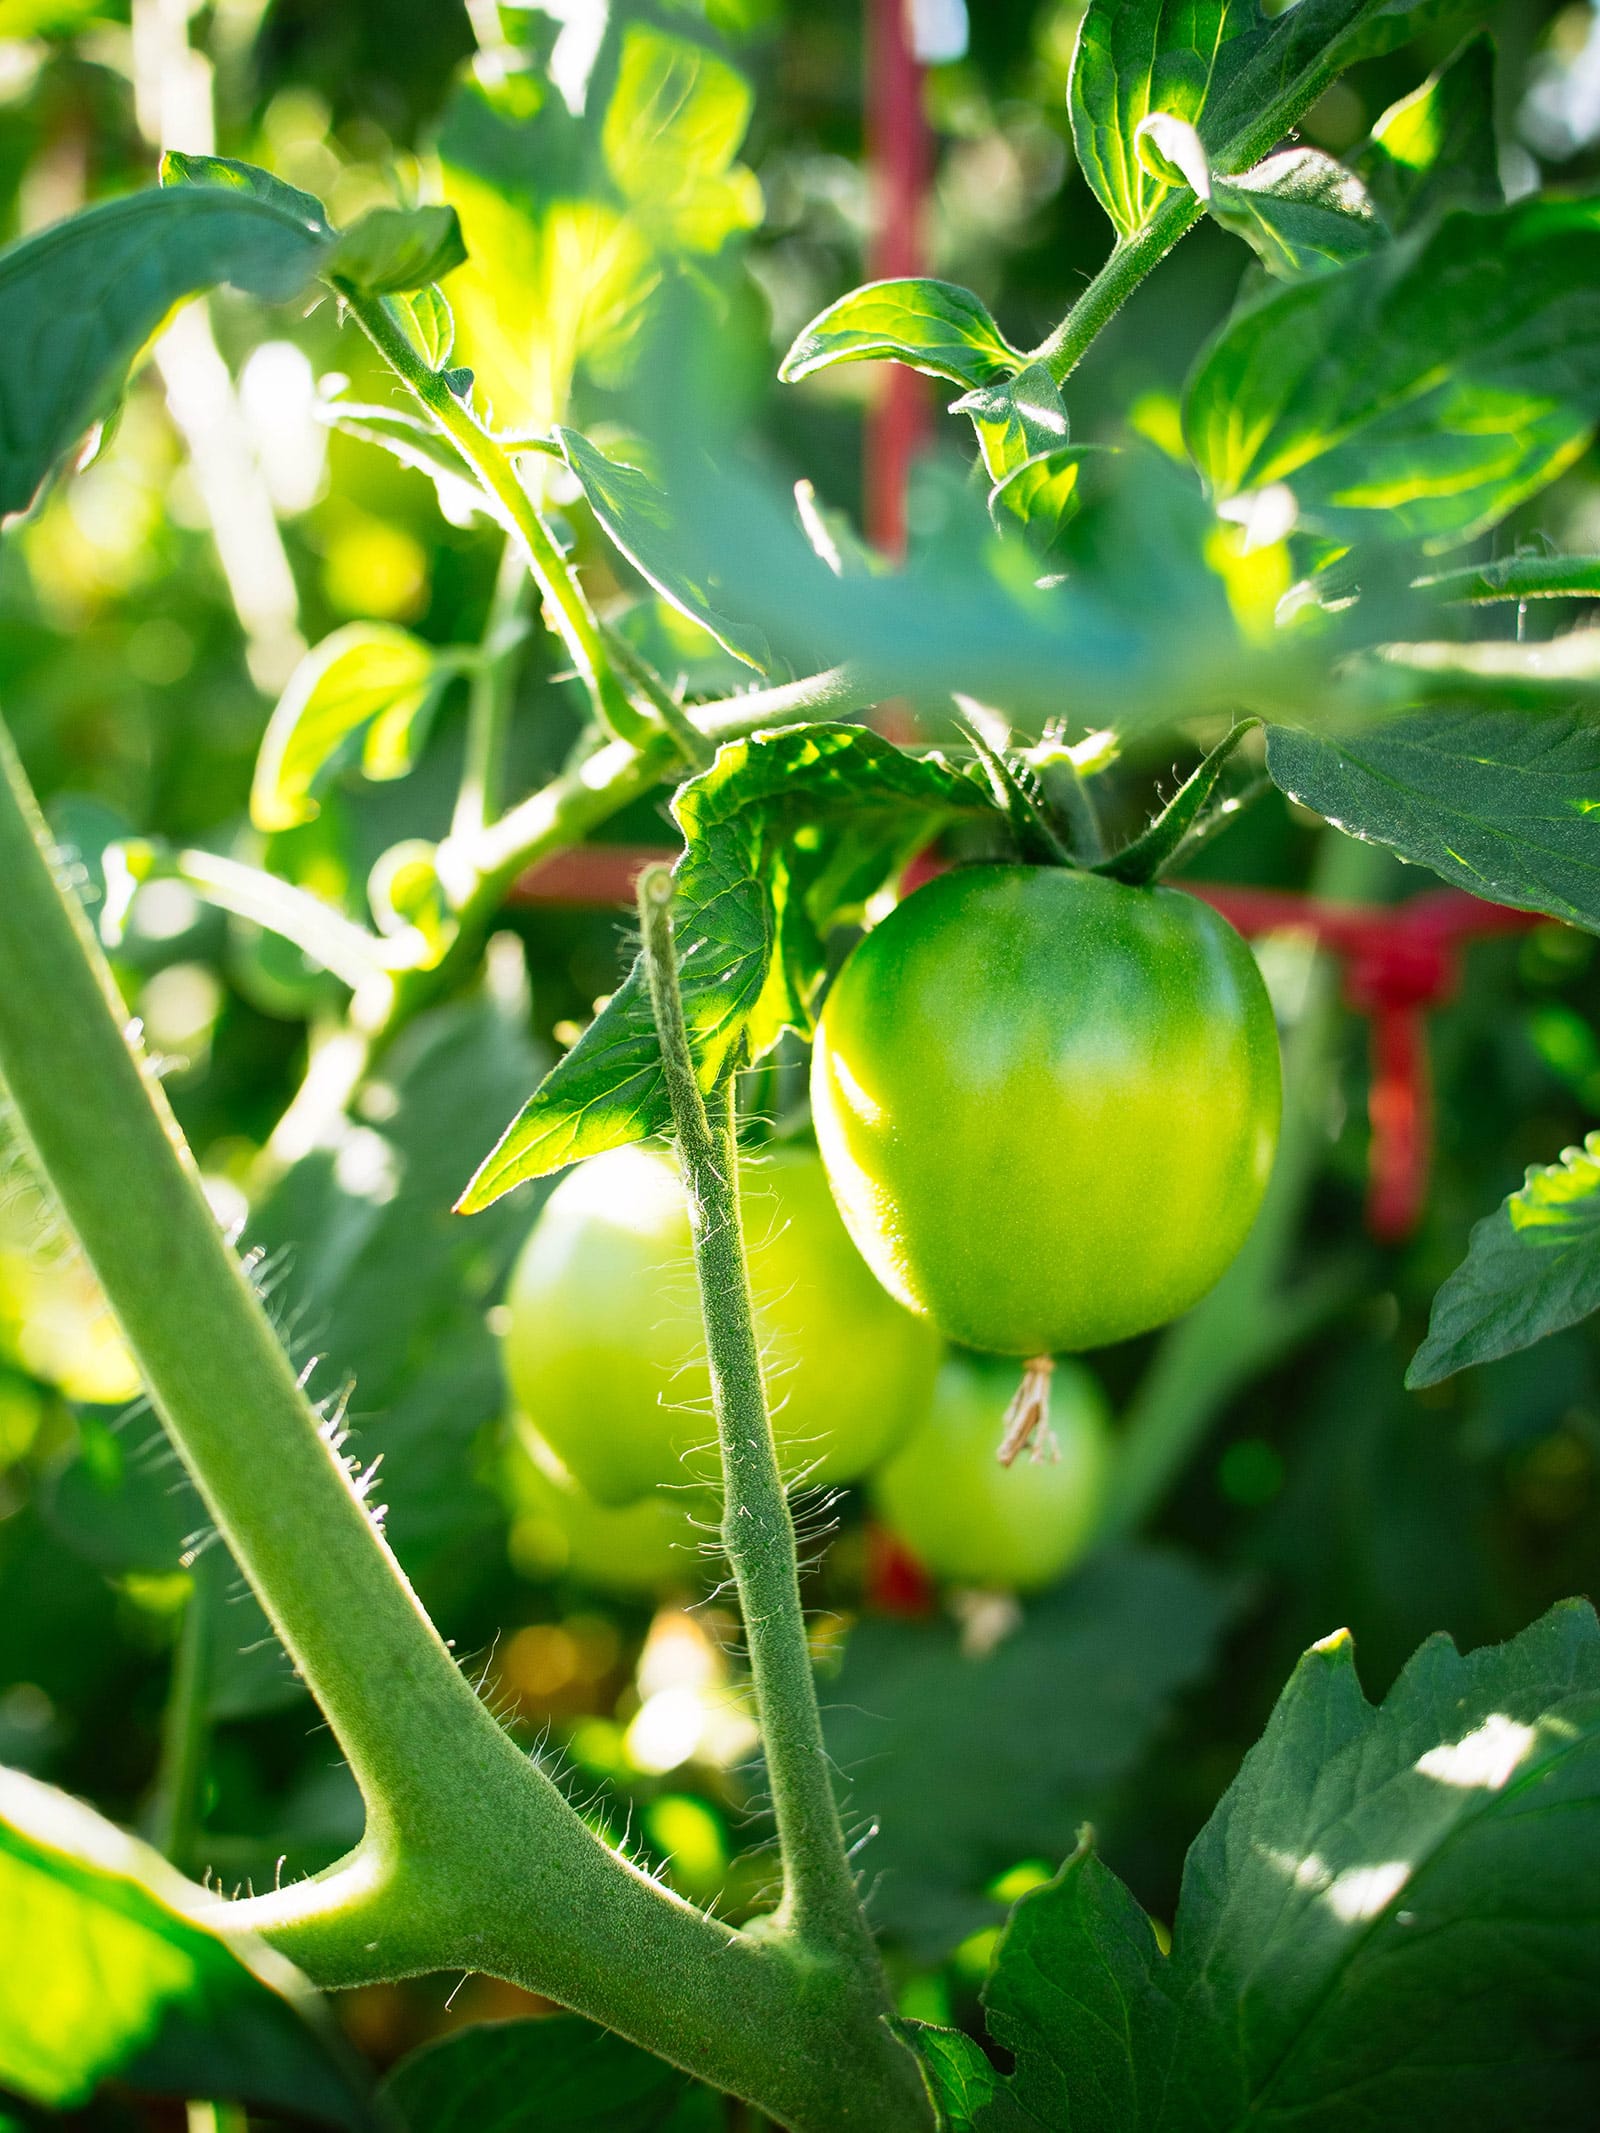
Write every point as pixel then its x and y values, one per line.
pixel 898 152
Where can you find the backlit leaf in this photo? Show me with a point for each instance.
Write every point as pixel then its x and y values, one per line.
pixel 933 326
pixel 105 1972
pixel 787 835
pixel 672 130
pixel 1532 1267
pixel 1421 392
pixel 396 248
pixel 1437 148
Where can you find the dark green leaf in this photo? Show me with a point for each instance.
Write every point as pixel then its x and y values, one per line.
pixel 1420 393
pixel 1520 577
pixel 393 249
pixel 934 326
pixel 1437 148
pixel 787 835
pixel 1152 852
pixel 1532 1267
pixel 180 169
pixel 368 680
pixel 1027 1740
pixel 1387 1921
pixel 1499 802
pixel 562 2075
pixel 959 2077
pixel 636 515
pixel 1016 419
pixel 104 1974
pixel 1227 67
pixel 80 300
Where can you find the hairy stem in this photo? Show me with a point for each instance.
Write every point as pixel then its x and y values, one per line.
pixel 472 1857
pixel 820 1902
pixel 564 597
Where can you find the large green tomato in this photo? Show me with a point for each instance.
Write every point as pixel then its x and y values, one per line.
pixel 558 1530
pixel 606 1353
pixel 1048 1104
pixel 971 1521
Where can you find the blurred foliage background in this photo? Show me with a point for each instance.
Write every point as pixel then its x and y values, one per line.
pixel 149 613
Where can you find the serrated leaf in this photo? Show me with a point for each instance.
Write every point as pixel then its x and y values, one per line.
pixel 1532 1268
pixel 78 302
pixel 1016 419
pixel 786 835
pixel 1028 1739
pixel 934 326
pixel 672 130
pixel 639 519
pixel 430 322
pixel 1148 856
pixel 395 249
pixel 1498 802
pixel 1419 393
pixel 1387 1921
pixel 1223 66
pixel 368 680
pixel 1437 148
pixel 105 1974
pixel 559 2075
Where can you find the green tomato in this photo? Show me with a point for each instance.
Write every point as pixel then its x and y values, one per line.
pixel 1048 1104
pixel 558 1530
pixel 606 1351
pixel 971 1521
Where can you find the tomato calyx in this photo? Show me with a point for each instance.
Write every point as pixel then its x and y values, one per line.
pixel 1027 1419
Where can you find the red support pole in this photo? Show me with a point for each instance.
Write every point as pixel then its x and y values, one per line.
pixel 899 159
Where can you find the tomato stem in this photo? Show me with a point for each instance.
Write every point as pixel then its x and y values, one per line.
pixel 820 1903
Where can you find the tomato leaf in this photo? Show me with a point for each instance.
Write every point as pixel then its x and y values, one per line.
pixel 79 301
pixel 1498 802
pixel 415 443
pixel 1027 1740
pixel 786 835
pixel 105 1973
pixel 1149 855
pixel 1438 147
pixel 1016 419
pixel 1417 394
pixel 934 326
pixel 638 518
pixel 1299 212
pixel 671 132
pixel 560 2075
pixel 1225 66
pixel 393 249
pixel 368 681
pixel 1519 577
pixel 1391 1903
pixel 1532 1268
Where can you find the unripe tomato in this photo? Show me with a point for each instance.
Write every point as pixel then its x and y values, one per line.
pixel 606 1352
pixel 971 1521
pixel 1048 1104
pixel 558 1529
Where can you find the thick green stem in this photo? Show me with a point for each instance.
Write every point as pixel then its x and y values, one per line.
pixel 472 1857
pixel 821 1905
pixel 494 681
pixel 564 597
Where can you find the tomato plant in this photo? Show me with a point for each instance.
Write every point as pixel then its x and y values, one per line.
pixel 970 1520
pixel 1048 1104
pixel 430 484
pixel 606 1351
